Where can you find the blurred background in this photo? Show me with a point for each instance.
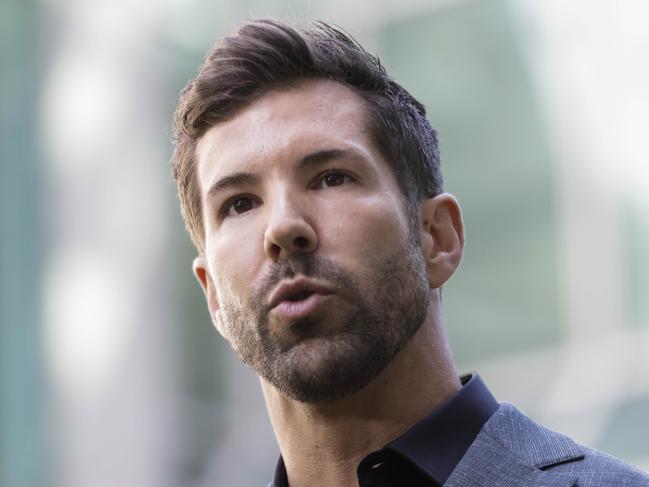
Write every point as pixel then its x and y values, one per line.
pixel 110 371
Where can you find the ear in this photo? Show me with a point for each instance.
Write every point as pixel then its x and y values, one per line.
pixel 442 237
pixel 202 273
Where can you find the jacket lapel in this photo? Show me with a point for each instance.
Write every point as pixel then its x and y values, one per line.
pixel 488 464
pixel 513 451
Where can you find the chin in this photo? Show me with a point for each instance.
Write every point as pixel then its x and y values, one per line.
pixel 321 370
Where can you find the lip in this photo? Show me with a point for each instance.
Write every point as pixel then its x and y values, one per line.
pixel 294 310
pixel 281 304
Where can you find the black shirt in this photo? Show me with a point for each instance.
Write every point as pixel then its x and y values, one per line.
pixel 426 454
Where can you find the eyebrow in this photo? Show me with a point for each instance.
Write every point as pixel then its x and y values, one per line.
pixel 233 180
pixel 323 156
pixel 250 179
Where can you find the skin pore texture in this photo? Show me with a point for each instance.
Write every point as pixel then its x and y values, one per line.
pixel 314 274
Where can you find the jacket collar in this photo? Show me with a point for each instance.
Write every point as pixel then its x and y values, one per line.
pixel 511 450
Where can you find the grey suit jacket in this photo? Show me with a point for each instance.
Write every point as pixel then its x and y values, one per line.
pixel 511 450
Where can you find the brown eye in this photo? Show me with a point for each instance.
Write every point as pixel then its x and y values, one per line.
pixel 242 205
pixel 239 206
pixel 334 178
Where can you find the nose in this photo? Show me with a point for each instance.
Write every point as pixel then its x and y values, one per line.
pixel 288 230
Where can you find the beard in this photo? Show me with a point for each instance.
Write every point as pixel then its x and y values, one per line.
pixel 367 321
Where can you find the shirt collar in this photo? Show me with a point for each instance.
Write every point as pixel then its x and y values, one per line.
pixel 437 443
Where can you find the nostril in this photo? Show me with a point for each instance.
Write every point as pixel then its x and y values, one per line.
pixel 275 250
pixel 300 243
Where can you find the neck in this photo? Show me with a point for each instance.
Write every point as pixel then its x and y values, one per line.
pixel 322 444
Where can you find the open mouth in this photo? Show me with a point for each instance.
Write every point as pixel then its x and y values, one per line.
pixel 299 296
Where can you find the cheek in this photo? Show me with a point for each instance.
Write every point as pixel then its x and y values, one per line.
pixel 233 264
pixel 367 227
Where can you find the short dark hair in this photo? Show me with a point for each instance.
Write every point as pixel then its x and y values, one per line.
pixel 266 54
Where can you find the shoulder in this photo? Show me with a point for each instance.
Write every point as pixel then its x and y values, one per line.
pixel 598 468
pixel 547 450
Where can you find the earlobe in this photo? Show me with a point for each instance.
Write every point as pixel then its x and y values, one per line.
pixel 202 273
pixel 442 237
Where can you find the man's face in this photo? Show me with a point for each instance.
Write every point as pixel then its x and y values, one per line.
pixel 311 269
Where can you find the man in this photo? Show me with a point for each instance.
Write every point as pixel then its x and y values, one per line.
pixel 310 184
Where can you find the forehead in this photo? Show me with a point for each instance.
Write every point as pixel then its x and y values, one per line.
pixel 286 124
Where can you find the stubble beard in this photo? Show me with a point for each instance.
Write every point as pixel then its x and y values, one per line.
pixel 377 313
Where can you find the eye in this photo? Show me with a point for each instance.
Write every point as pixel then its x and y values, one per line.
pixel 333 178
pixel 238 205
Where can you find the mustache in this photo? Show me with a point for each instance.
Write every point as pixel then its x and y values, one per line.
pixel 298 263
pixel 307 265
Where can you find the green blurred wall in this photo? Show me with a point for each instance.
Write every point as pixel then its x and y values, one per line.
pixel 22 393
pixel 463 63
